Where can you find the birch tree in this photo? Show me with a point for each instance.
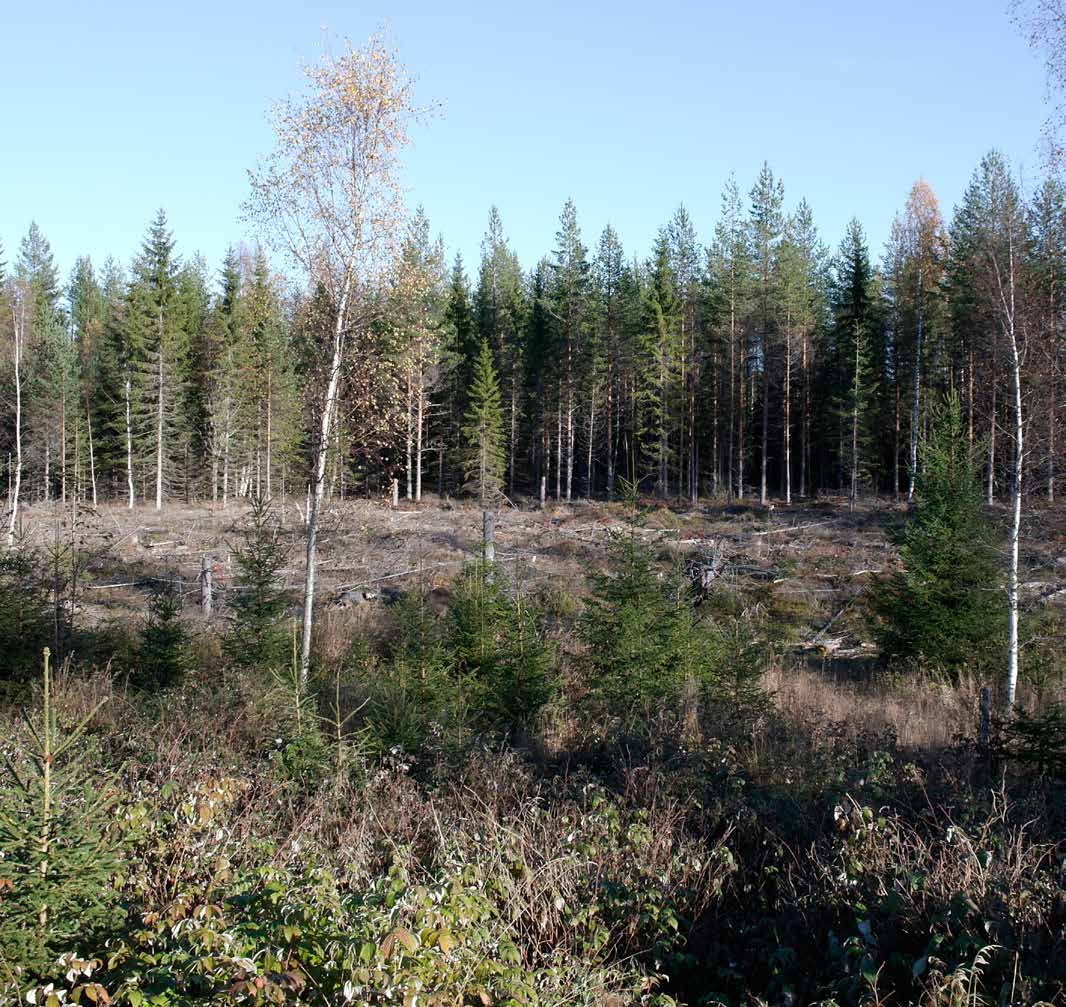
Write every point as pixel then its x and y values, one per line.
pixel 1001 250
pixel 417 305
pixel 329 197
pixel 920 274
pixel 18 343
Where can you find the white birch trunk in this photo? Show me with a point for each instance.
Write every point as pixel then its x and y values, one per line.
pixel 92 456
pixel 129 444
pixel 314 505
pixel 19 318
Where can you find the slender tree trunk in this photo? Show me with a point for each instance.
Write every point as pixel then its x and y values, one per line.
pixel 732 402
pixel 610 425
pixel 269 435
pixel 63 448
pixel 159 437
pixel 318 477
pixel 763 496
pixel 895 449
pixel 916 403
pixel 1051 440
pixel 512 441
pixel 92 456
pixel 992 445
pixel 592 434
pixel 855 426
pixel 419 424
pixel 805 447
pixel 1016 502
pixel 559 447
pixel 129 442
pixel 788 410
pixel 741 417
pixel 1016 522
pixel 569 441
pixel 715 452
pixel 19 319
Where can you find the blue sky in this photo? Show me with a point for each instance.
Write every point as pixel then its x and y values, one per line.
pixel 114 109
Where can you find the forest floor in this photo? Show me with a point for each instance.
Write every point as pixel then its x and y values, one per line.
pixel 807 566
pixel 841 837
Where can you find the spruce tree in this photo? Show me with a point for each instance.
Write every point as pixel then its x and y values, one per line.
pixel 657 366
pixel 767 226
pixel 59 853
pixel 483 432
pixel 943 608
pixel 644 641
pixel 258 635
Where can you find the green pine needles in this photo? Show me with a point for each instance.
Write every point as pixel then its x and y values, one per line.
pixel 483 432
pixel 944 608
pixel 58 853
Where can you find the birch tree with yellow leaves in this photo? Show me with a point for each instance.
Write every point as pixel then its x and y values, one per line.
pixel 329 198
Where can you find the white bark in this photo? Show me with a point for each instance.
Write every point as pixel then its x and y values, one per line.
pixel 314 507
pixel 129 442
pixel 18 312
pixel 92 457
pixel 1006 285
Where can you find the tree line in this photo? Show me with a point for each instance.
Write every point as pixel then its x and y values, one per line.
pixel 757 363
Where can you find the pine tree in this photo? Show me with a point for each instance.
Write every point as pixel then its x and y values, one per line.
pixel 644 644
pixel 729 292
pixel 684 265
pixel 483 431
pixel 87 316
pixel 766 229
pixel 567 305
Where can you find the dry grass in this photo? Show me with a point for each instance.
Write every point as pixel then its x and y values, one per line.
pixel 923 715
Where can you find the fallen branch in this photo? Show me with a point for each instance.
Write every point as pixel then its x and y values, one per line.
pixel 790 527
pixel 400 573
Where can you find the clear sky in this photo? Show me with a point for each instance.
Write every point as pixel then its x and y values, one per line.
pixel 114 108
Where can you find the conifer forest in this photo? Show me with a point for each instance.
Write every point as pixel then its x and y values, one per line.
pixel 670 625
